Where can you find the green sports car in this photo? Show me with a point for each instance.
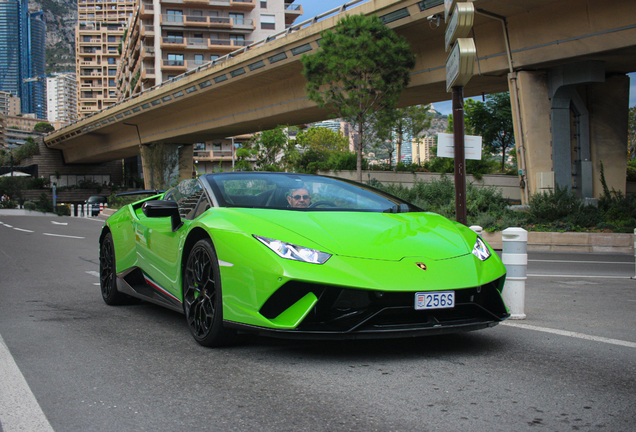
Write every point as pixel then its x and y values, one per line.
pixel 299 256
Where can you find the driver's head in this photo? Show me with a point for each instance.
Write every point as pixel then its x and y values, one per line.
pixel 299 198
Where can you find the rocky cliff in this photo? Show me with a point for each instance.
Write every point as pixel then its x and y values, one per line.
pixel 60 17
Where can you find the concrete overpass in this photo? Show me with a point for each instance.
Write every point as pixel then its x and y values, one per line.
pixel 564 62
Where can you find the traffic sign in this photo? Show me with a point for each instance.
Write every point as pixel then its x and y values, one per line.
pixel 461 22
pixel 460 64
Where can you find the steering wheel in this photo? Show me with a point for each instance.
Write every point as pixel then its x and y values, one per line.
pixel 320 203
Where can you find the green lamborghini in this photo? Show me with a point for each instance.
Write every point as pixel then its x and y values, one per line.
pixel 299 256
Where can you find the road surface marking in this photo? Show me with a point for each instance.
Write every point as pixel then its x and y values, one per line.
pixel 8 226
pixel 93 273
pixel 582 261
pixel 60 235
pixel 23 230
pixel 571 334
pixel 59 223
pixel 579 276
pixel 19 410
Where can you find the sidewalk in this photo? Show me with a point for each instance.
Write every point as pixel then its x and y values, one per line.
pixel 22 212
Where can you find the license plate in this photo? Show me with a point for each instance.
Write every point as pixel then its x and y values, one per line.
pixel 434 300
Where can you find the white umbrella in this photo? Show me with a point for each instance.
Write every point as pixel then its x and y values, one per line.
pixel 15 173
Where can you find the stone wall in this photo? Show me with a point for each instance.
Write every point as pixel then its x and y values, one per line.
pixel 508 184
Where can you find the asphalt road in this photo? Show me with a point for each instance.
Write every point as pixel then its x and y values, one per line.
pixel 91 367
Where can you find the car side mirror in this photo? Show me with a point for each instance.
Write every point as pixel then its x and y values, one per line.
pixel 157 209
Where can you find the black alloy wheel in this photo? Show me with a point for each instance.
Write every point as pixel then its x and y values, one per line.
pixel 107 273
pixel 202 297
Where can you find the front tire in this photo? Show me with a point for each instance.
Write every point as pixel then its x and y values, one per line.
pixel 202 296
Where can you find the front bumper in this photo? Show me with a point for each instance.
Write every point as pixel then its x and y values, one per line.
pixel 344 313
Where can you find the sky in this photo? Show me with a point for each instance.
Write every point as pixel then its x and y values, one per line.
pixel 311 8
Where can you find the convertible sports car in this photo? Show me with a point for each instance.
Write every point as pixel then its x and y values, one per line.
pixel 299 256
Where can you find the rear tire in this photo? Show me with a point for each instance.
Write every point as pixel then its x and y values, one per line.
pixel 203 298
pixel 108 274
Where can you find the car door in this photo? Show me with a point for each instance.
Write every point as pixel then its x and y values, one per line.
pixel 158 246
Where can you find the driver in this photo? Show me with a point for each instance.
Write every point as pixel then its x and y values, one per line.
pixel 299 198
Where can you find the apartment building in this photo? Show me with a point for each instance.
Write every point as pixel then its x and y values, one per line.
pixel 61 94
pixel 422 147
pixel 99 35
pixel 170 37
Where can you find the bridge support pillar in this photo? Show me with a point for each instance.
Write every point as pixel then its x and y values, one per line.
pixel 569 119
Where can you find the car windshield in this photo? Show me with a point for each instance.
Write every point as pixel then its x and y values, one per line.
pixel 301 192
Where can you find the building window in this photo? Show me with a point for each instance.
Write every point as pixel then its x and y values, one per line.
pixel 112 61
pixel 198 59
pixel 213 57
pixel 111 39
pixel 111 83
pixel 238 18
pixel 175 60
pixel 175 37
pixel 263 5
pixel 174 15
pixel 268 22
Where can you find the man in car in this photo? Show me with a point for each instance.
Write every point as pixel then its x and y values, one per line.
pixel 299 198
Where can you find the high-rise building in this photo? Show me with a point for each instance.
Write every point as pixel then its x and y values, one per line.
pixel 99 36
pixel 167 38
pixel 422 147
pixel 61 97
pixel 22 61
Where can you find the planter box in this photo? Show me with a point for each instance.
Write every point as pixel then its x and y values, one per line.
pixel 571 242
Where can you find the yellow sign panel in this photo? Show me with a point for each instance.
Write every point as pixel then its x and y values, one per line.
pixel 460 64
pixel 461 22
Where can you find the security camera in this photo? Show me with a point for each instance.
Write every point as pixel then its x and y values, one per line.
pixel 434 20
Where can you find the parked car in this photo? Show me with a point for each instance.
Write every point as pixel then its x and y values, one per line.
pixel 299 256
pixel 94 202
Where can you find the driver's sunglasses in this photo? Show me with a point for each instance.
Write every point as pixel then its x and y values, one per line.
pixel 297 197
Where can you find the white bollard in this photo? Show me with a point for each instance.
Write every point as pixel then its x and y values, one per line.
pixel 87 211
pixel 478 230
pixel 634 277
pixel 72 210
pixel 515 258
pixel 101 207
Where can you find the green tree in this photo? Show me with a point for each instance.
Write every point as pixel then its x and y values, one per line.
pixel 43 127
pixel 395 125
pixel 319 149
pixel 270 149
pixel 493 121
pixel 631 133
pixel 361 68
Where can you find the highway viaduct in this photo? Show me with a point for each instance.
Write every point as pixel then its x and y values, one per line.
pixel 563 61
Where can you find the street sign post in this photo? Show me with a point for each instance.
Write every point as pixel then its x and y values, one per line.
pixel 459 17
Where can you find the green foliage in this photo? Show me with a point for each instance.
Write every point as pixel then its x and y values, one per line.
pixel 44 203
pixel 30 205
pixel 271 150
pixel 62 210
pixel 631 170
pixel 25 151
pixel 361 68
pixel 43 127
pixel 631 134
pixel 394 126
pixel 12 187
pixel 320 149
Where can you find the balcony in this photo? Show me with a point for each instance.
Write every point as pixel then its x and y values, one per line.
pixel 193 64
pixel 173 42
pixel 173 65
pixel 148 31
pixel 292 12
pixel 147 10
pixel 197 2
pixel 247 5
pixel 147 51
pixel 226 45
pixel 148 73
pixel 197 43
pixel 212 156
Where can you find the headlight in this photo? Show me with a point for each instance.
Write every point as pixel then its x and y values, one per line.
pixel 480 250
pixel 294 252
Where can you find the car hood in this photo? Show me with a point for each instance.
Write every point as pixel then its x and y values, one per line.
pixel 386 236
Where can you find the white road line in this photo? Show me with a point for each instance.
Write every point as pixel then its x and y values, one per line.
pixel 59 223
pixel 581 261
pixel 579 276
pixel 571 334
pixel 93 273
pixel 60 235
pixel 8 226
pixel 23 230
pixel 19 410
